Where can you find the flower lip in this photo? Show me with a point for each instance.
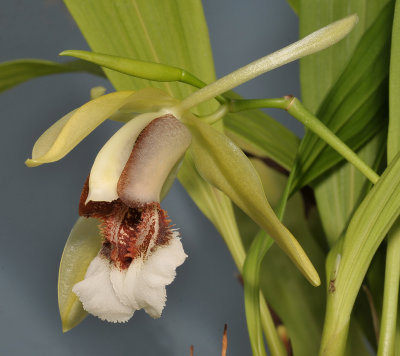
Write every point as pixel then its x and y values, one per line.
pixel 138 259
pixel 114 295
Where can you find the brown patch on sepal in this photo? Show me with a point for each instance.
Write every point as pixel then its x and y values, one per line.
pixel 94 209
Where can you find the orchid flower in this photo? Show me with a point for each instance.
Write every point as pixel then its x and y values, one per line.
pixel 140 249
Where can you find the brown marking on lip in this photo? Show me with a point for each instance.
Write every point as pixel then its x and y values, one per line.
pixel 122 227
pixel 124 231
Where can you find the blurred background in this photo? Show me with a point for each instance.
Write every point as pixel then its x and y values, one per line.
pixel 39 205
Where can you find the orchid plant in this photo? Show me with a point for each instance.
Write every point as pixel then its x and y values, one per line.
pixel 124 250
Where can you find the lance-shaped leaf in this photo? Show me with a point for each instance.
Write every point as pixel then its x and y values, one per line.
pixel 70 130
pixel 19 71
pixel 260 135
pixel 356 107
pixel 387 337
pixel 295 5
pixel 342 189
pixel 366 231
pixel 319 72
pixel 226 167
pixel 393 144
pixel 82 246
pixel 138 30
pixel 279 280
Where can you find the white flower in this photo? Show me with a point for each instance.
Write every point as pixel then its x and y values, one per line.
pixel 140 250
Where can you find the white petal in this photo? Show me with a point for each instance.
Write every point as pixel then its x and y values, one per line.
pixel 143 284
pixel 160 266
pixel 97 294
pixel 118 281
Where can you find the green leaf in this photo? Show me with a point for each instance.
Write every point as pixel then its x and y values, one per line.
pixel 393 144
pixel 82 246
pixel 341 190
pixel 356 106
pixel 291 297
pixel 367 229
pixel 295 5
pixel 387 337
pixel 169 32
pixel 262 136
pixel 226 167
pixel 251 271
pixel 320 71
pixel 19 71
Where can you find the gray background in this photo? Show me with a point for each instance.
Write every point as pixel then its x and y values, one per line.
pixel 39 205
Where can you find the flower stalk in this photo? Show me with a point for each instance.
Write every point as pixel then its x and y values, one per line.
pixel 295 108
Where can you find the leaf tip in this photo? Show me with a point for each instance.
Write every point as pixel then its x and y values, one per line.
pixel 315 280
pixel 68 52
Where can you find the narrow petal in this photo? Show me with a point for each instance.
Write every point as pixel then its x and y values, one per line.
pixel 68 132
pixel 157 150
pixel 97 294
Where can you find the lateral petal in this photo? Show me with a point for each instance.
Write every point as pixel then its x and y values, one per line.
pixel 69 131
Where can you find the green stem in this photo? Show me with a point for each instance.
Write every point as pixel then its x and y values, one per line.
pixel 216 115
pixel 251 275
pixel 387 340
pixel 386 345
pixel 233 241
pixel 295 108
